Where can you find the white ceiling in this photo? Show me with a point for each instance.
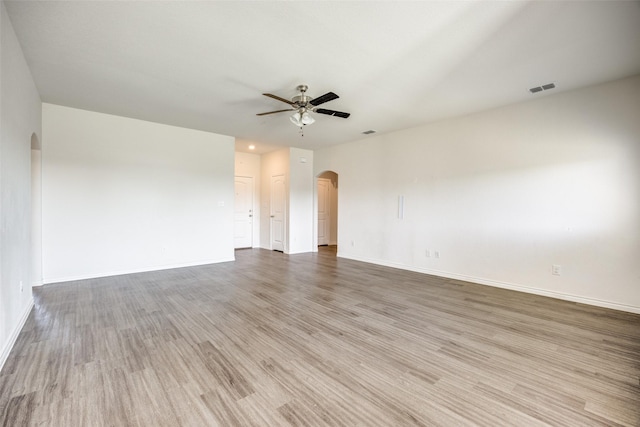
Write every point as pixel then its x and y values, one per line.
pixel 204 65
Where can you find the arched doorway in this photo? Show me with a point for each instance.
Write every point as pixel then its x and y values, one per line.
pixel 36 211
pixel 327 214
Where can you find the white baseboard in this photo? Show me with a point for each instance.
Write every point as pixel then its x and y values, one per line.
pixel 504 285
pixel 14 334
pixel 143 270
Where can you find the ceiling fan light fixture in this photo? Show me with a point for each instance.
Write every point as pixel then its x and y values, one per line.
pixel 306 118
pixel 296 119
pixel 301 118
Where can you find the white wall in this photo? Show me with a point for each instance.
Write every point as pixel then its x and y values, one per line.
pixel 505 194
pixel 19 120
pixel 36 216
pixel 273 163
pixel 248 165
pixel 301 203
pixel 123 195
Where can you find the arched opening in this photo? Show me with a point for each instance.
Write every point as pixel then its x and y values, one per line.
pixel 36 211
pixel 327 213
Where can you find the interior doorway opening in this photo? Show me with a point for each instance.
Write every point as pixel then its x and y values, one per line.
pixel 327 215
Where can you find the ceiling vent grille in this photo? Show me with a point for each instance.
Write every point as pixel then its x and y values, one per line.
pixel 543 87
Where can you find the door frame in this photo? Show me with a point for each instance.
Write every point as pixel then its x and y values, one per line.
pixel 327 212
pixel 315 208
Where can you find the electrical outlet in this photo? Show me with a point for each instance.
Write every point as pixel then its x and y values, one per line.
pixel 436 254
pixel 556 270
pixel 428 253
pixel 21 286
pixel 353 243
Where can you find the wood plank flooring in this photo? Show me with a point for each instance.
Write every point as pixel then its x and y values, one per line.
pixel 312 340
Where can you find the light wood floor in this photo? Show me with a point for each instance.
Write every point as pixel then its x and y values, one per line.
pixel 309 339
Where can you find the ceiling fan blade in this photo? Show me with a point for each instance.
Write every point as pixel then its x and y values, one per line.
pixel 273 112
pixel 270 95
pixel 329 96
pixel 332 113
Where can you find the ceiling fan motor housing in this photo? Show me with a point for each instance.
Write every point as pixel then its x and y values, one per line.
pixel 302 99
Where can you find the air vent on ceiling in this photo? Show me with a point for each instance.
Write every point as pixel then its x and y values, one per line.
pixel 543 87
pixel 369 132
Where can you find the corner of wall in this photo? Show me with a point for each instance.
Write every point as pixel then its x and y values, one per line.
pixel 13 336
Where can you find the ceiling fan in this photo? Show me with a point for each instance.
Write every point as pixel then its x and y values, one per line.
pixel 303 104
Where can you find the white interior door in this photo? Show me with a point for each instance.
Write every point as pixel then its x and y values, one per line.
pixel 243 212
pixel 324 211
pixel 278 217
